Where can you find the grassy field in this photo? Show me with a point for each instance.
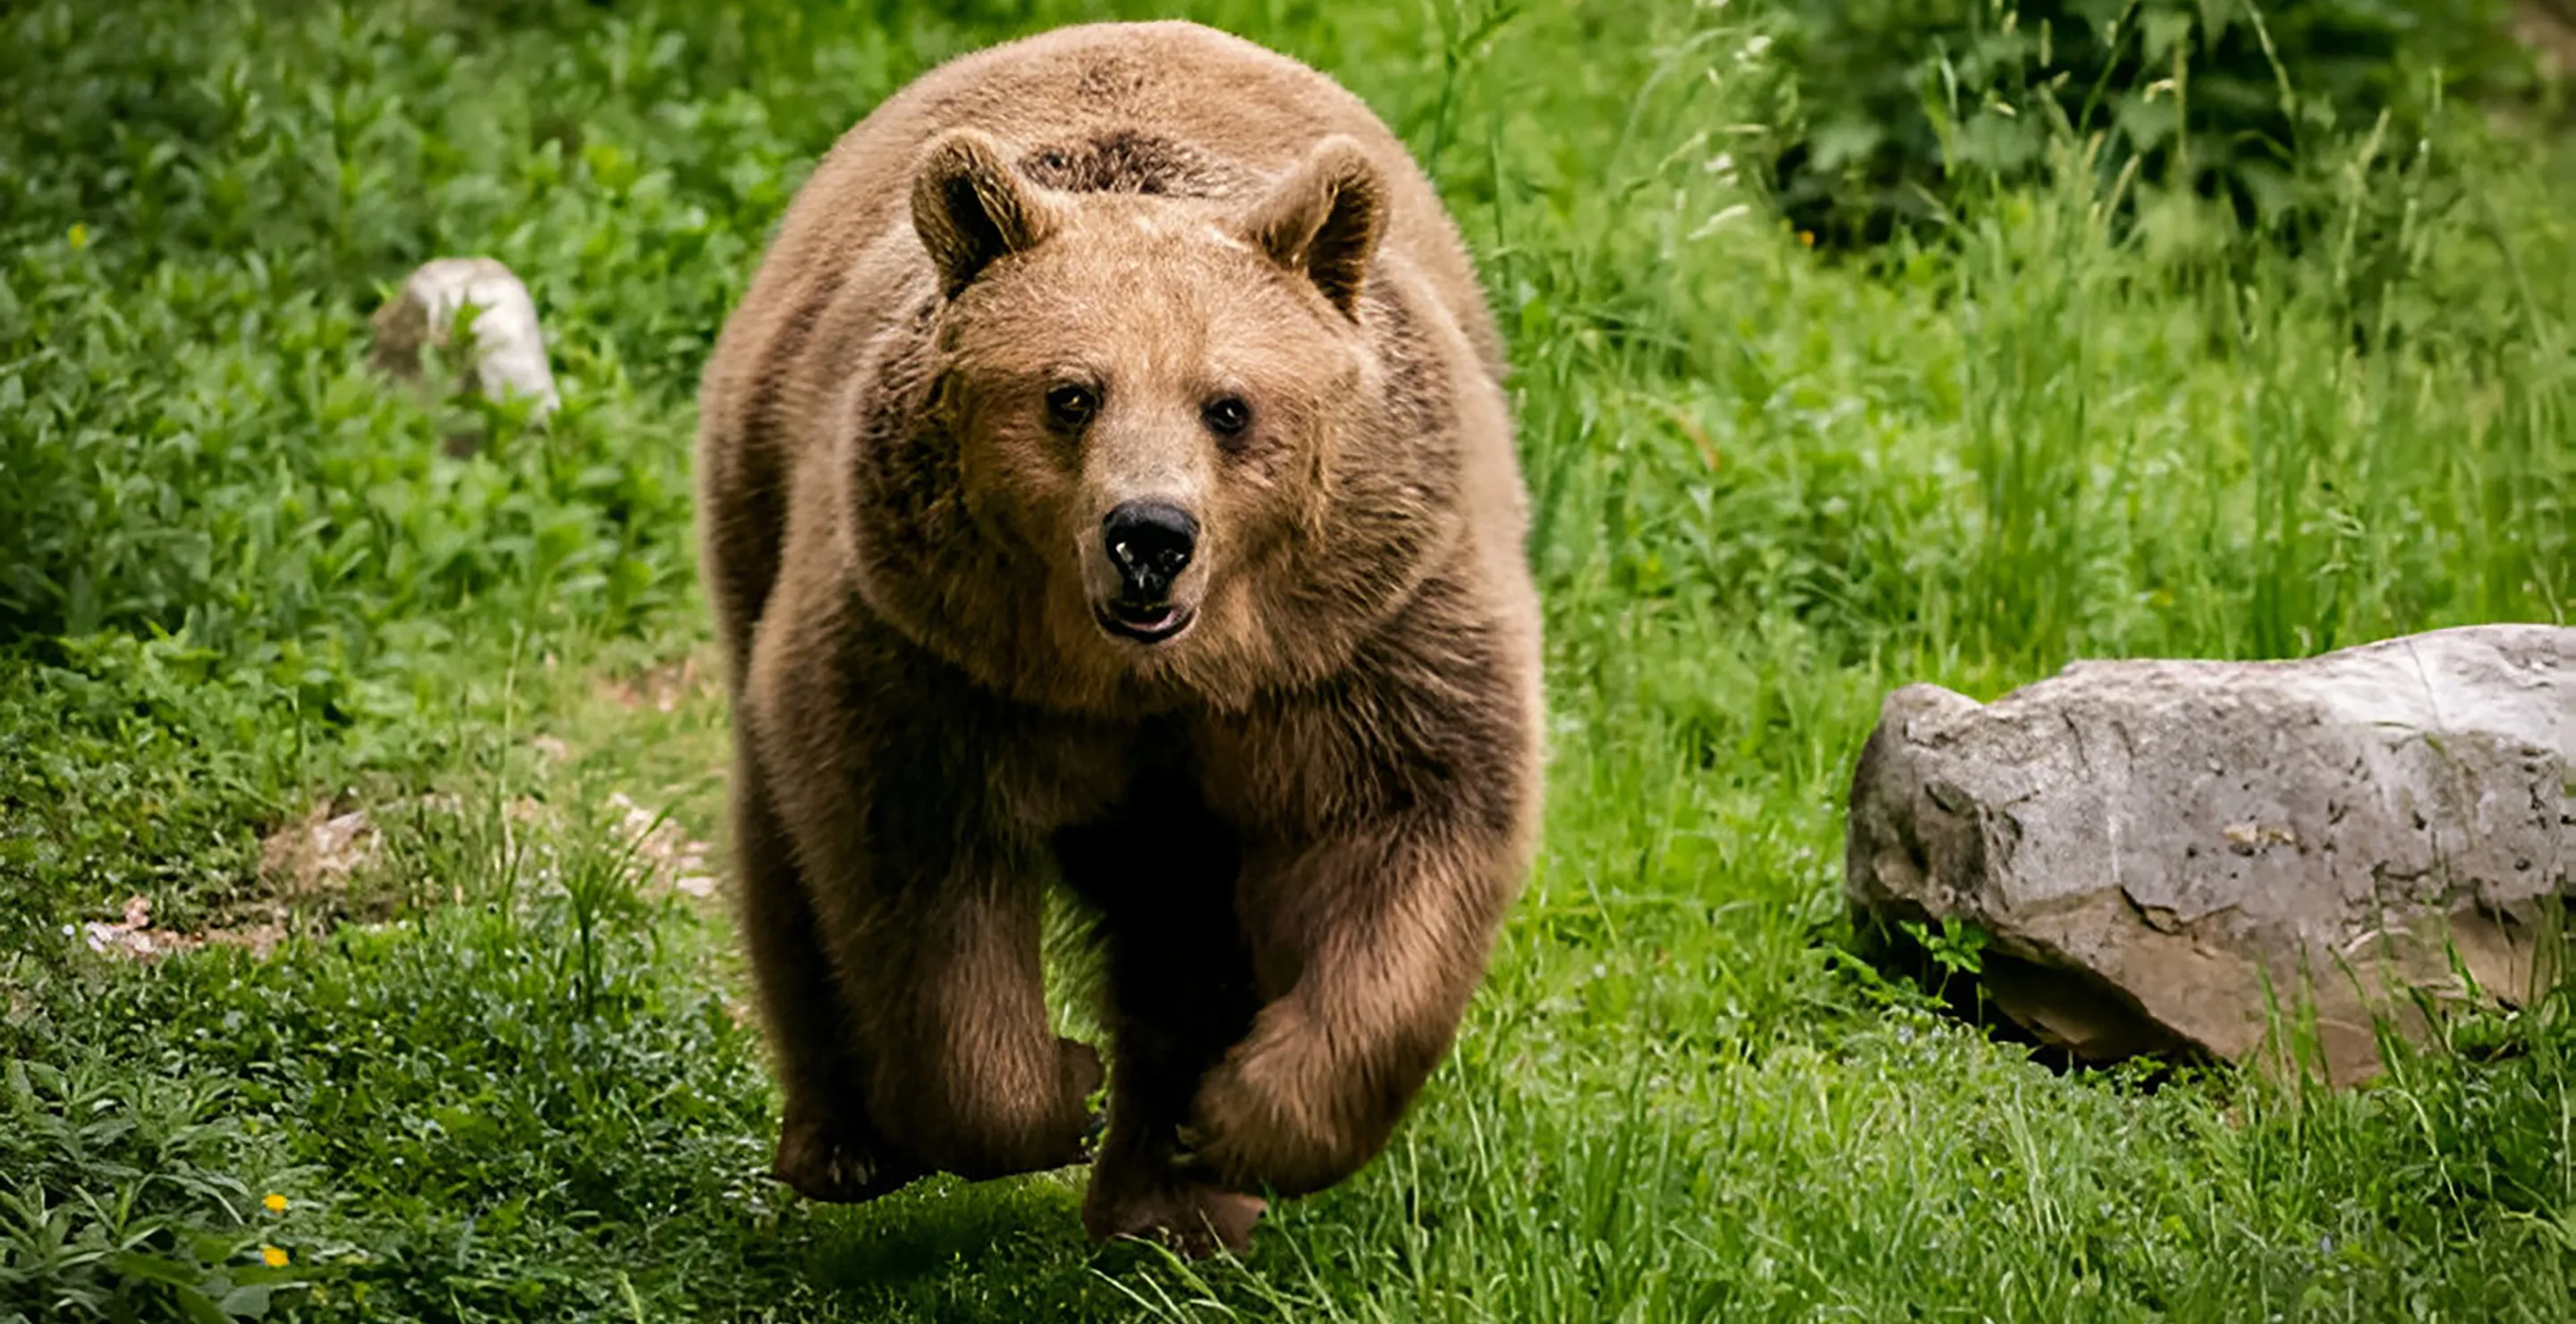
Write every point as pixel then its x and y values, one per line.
pixel 499 1071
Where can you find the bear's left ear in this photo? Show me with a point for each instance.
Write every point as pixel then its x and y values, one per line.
pixel 1323 220
pixel 970 208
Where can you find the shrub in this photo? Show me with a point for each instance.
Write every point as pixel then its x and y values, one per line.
pixel 1899 101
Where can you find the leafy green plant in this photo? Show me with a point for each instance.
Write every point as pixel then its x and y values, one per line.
pixel 122 1199
pixel 1900 102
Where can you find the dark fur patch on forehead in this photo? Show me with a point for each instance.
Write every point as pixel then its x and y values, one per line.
pixel 1125 161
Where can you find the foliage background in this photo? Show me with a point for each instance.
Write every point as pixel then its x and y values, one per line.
pixel 2298 384
pixel 2222 100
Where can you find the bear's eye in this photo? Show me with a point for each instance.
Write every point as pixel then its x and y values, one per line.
pixel 1070 406
pixel 1226 415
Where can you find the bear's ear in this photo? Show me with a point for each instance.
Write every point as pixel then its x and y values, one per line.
pixel 970 208
pixel 1323 219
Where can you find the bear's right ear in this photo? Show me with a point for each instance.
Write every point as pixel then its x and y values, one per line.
pixel 970 208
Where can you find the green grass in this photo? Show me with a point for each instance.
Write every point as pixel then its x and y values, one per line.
pixel 501 1073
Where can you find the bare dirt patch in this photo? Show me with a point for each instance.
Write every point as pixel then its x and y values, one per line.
pixel 662 688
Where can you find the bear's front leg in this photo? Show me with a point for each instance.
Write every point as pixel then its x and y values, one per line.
pixel 935 953
pixel 925 899
pixel 944 977
pixel 1382 934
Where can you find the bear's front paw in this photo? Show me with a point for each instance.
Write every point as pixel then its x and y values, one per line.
pixel 838 1163
pixel 1193 1218
pixel 1266 1117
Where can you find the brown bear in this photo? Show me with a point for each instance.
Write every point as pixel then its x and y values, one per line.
pixel 1107 479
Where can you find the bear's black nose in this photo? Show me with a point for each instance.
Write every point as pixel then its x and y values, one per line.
pixel 1150 544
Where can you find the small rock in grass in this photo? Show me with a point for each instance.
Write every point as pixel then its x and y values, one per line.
pixel 509 349
pixel 2181 857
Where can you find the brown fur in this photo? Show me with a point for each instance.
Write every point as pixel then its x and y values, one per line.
pixel 1300 820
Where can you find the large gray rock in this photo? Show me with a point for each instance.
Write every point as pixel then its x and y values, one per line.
pixel 2177 856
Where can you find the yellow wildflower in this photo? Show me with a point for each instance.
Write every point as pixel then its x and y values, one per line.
pixel 276 1203
pixel 1807 237
pixel 79 235
pixel 273 1257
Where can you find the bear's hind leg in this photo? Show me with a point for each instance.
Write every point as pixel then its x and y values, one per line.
pixel 1180 992
pixel 827 1148
pixel 1176 1011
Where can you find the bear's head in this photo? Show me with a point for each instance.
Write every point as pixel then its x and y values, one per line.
pixel 1151 445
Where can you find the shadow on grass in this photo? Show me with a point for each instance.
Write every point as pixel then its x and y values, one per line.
pixel 946 1249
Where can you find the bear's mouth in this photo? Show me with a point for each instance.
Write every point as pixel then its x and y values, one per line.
pixel 1144 623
